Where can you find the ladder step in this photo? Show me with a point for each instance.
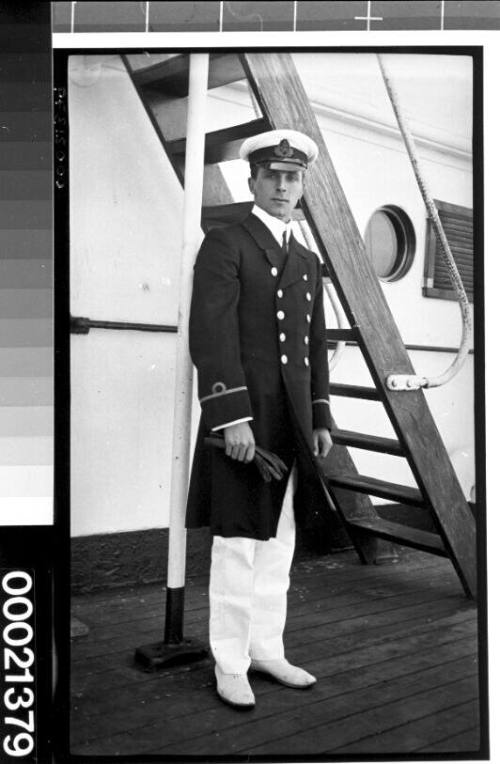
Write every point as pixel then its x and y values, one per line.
pixel 226 214
pixel 402 534
pixel 172 76
pixel 355 391
pixel 325 273
pixel 369 442
pixel 342 335
pixel 223 145
pixel 376 487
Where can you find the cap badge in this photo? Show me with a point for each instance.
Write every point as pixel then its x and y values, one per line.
pixel 284 149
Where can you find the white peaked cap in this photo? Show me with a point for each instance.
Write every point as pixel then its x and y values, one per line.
pixel 280 147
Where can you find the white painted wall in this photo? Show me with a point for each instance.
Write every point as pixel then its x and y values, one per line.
pixel 126 208
pixel 126 204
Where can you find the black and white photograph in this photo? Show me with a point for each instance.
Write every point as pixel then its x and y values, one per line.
pixel 248 364
pixel 276 503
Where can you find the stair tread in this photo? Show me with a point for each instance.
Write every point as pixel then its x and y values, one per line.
pixel 354 391
pixel 367 441
pixel 377 487
pixel 403 534
pixel 172 75
pixel 223 145
pixel 341 335
pixel 225 214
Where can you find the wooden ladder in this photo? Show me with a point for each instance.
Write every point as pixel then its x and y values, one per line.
pixel 273 79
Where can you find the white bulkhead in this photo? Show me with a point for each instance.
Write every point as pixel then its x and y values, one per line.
pixel 126 216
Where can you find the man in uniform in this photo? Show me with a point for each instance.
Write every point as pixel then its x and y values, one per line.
pixel 258 340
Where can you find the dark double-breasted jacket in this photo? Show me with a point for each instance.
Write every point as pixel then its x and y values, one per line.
pixel 258 340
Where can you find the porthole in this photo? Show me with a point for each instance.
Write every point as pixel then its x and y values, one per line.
pixel 390 242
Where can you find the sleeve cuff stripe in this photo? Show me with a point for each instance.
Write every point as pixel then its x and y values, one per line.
pixel 228 424
pixel 223 392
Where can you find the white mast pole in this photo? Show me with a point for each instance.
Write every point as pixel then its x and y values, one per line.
pixel 193 187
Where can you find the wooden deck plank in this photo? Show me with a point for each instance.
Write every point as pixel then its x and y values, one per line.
pixel 163 685
pixel 341 610
pixel 187 684
pixel 345 607
pixel 328 738
pixel 305 602
pixel 348 617
pixel 237 733
pixel 331 656
pixel 344 564
pixel 368 633
pixel 365 608
pixel 328 640
pixel 409 737
pixel 392 579
pixel 465 742
pixel 277 725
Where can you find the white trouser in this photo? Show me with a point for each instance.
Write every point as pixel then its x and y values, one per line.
pixel 249 580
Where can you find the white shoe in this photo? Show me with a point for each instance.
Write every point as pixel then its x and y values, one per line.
pixel 284 672
pixel 234 689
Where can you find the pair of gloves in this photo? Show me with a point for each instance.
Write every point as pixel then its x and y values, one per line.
pixel 269 465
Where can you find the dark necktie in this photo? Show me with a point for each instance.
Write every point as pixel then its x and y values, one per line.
pixel 284 245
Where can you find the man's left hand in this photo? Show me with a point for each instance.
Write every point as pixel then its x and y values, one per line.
pixel 322 442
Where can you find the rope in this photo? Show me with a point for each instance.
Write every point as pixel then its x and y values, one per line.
pixel 412 382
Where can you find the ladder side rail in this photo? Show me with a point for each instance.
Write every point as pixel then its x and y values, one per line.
pixel 284 102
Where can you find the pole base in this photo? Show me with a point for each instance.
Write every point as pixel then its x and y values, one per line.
pixel 161 654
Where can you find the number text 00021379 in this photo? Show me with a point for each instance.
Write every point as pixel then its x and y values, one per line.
pixel 18 659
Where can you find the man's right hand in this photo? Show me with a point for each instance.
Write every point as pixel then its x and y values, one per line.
pixel 240 442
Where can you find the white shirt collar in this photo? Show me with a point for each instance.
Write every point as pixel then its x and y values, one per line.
pixel 275 225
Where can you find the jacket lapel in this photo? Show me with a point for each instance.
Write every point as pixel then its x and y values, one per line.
pixel 264 239
pixel 296 262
